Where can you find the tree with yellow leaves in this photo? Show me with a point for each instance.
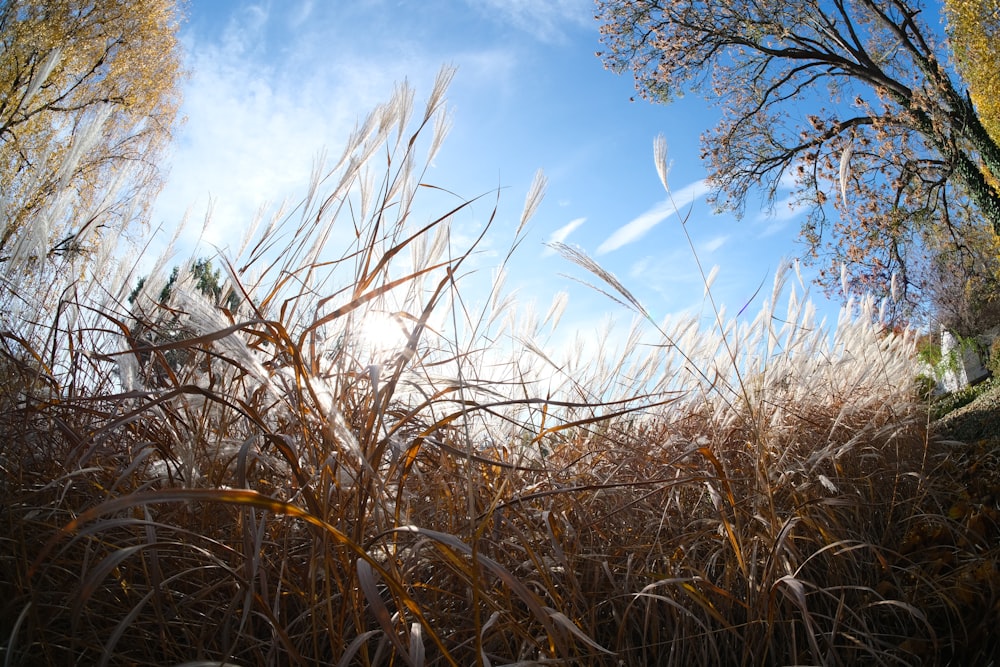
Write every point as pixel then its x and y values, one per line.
pixel 88 96
pixel 974 34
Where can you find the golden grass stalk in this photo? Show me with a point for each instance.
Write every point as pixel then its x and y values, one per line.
pixel 258 488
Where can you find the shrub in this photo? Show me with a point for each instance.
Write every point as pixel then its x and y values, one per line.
pixel 962 397
pixel 993 360
pixel 925 386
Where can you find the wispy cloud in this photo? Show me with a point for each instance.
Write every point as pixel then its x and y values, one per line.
pixel 778 217
pixel 300 14
pixel 637 228
pixel 547 21
pixel 256 122
pixel 561 234
pixel 245 31
pixel 672 277
pixel 714 244
pixel 247 141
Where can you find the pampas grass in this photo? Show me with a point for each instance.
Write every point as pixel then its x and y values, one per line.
pixel 186 484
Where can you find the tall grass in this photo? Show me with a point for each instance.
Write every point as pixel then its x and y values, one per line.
pixel 264 486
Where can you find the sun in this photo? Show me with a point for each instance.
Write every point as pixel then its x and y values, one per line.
pixel 381 335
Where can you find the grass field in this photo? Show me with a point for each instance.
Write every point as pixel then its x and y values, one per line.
pixel 184 482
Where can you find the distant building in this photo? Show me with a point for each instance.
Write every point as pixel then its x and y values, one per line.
pixel 962 365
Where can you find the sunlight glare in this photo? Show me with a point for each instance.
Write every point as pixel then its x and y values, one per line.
pixel 381 334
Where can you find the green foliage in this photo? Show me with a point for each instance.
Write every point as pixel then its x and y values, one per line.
pixel 959 399
pixel 993 362
pixel 167 326
pixel 207 281
pixel 952 362
pixel 925 386
pixel 929 351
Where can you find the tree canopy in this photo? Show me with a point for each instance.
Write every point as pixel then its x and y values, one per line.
pixel 89 91
pixel 207 280
pixel 853 101
pixel 974 33
pixel 162 323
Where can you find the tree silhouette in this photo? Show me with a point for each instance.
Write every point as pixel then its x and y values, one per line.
pixel 150 329
pixel 88 94
pixel 850 100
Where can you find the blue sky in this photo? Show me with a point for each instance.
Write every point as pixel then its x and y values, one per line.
pixel 272 83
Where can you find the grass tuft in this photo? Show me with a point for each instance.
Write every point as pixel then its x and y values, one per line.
pixel 185 483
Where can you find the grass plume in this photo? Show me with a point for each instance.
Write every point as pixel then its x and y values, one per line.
pixel 188 483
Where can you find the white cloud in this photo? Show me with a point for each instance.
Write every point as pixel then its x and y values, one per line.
pixel 300 14
pixel 491 69
pixel 255 122
pixel 246 142
pixel 245 31
pixel 786 209
pixel 788 180
pixel 546 20
pixel 780 215
pixel 689 193
pixel 638 227
pixel 714 244
pixel 672 276
pixel 561 234
pixel 635 229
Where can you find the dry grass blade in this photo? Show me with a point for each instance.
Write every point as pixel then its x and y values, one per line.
pixel 377 606
pixel 581 259
pixel 541 613
pixel 354 647
pixel 562 621
pixel 188 479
